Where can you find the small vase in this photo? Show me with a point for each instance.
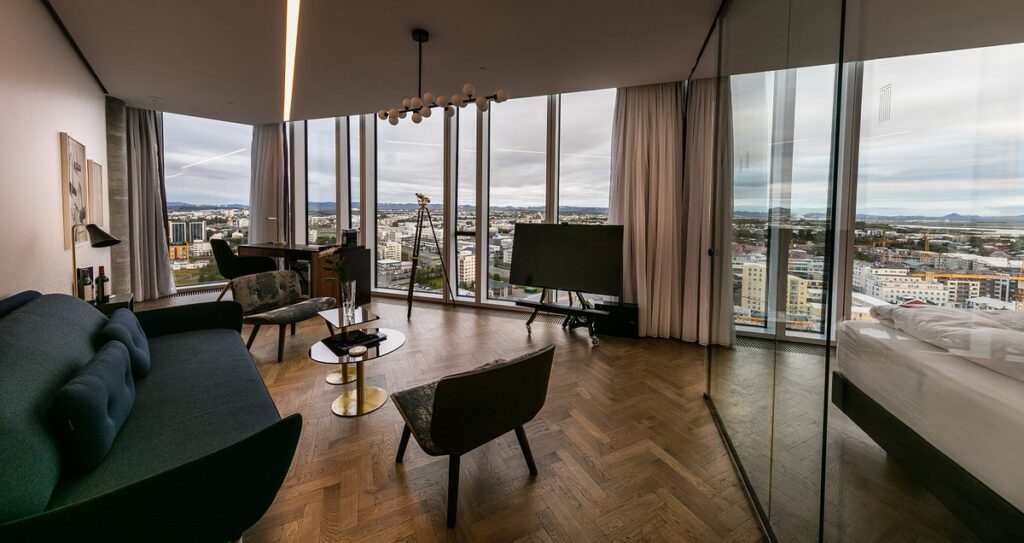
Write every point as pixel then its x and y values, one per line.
pixel 348 299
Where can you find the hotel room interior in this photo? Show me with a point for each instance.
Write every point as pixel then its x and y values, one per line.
pixel 675 270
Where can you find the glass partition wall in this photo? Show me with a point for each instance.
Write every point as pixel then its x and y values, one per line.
pixel 876 251
pixel 927 412
pixel 778 108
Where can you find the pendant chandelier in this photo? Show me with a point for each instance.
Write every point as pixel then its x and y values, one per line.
pixel 421 105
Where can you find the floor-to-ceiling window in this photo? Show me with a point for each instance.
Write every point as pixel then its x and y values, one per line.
pixel 584 162
pixel 518 186
pixel 466 256
pixel 207 174
pixel 410 160
pixel 354 180
pixel 321 182
pixel 513 177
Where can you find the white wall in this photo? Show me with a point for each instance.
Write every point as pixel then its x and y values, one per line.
pixel 44 90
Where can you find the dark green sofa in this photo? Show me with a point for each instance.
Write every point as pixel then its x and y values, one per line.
pixel 200 457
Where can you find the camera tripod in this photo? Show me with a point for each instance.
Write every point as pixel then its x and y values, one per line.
pixel 420 214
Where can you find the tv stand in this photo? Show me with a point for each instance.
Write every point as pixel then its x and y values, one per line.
pixel 575 316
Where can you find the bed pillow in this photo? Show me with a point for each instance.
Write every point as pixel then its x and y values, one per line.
pixel 87 413
pixel 125 328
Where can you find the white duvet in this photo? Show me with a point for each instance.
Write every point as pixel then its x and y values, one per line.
pixel 990 338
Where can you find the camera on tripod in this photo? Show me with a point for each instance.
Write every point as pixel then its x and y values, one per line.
pixel 423 198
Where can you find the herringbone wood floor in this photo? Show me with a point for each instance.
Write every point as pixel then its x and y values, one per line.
pixel 625 446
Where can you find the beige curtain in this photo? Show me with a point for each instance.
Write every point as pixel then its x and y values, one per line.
pixel 663 198
pixel 722 330
pixel 152 276
pixel 646 196
pixel 268 192
pixel 698 177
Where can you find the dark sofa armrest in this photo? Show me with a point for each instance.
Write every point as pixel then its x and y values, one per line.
pixel 187 318
pixel 214 498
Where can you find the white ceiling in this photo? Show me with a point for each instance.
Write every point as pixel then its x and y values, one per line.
pixel 225 59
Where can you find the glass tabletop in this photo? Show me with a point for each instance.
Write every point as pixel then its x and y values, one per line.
pixel 323 354
pixel 337 318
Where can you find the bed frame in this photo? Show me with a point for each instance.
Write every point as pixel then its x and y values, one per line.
pixel 984 512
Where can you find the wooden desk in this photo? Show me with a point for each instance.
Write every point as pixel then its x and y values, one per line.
pixel 358 259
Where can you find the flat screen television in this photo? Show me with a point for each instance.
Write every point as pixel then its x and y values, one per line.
pixel 584 258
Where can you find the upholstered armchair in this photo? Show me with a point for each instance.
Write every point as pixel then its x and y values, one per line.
pixel 461 412
pixel 232 266
pixel 275 298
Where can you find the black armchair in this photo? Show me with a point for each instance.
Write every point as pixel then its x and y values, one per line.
pixel 231 265
pixel 464 411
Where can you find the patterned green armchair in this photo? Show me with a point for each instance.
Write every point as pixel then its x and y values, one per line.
pixel 275 298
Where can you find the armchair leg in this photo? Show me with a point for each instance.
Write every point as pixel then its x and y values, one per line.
pixel 293 328
pixel 525 446
pixel 403 444
pixel 223 291
pixel 453 489
pixel 280 342
pixel 252 336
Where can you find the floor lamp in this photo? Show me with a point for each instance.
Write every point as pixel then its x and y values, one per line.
pixel 97 238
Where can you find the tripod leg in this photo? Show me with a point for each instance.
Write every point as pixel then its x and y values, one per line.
pixel 415 258
pixel 444 268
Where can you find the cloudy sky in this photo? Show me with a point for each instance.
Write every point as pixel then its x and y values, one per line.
pixel 207 162
pixel 953 141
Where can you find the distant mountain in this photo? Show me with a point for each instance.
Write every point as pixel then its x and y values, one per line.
pixel 185 206
pixel 948 218
pixel 436 207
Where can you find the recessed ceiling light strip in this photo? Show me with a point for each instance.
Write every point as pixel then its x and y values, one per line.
pixel 291 40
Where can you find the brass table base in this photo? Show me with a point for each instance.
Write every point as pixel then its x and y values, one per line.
pixel 345 375
pixel 354 404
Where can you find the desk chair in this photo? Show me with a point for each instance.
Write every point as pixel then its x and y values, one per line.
pixel 232 266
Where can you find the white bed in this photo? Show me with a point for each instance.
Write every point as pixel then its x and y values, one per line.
pixel 974 415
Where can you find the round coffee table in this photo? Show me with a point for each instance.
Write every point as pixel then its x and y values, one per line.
pixel 363 399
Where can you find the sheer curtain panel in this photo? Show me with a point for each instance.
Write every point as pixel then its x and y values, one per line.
pixel 268 192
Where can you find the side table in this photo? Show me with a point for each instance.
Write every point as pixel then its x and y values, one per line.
pixel 115 302
pixel 337 320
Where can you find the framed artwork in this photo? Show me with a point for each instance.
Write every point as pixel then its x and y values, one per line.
pixel 75 187
pixel 95 192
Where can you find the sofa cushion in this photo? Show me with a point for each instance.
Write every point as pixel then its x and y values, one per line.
pixel 11 303
pixel 88 412
pixel 124 327
pixel 202 394
pixel 43 344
